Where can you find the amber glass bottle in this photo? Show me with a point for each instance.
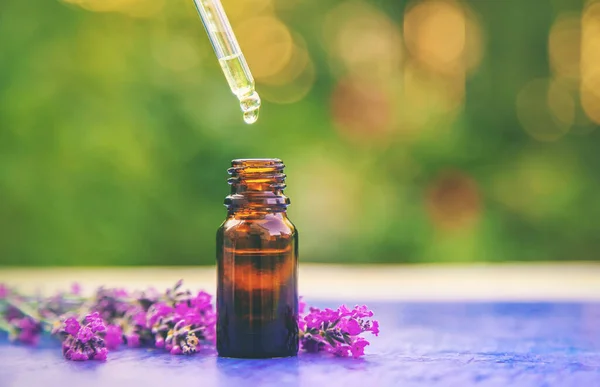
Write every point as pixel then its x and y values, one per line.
pixel 257 260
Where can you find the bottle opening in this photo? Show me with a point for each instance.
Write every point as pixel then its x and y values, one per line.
pixel 257 183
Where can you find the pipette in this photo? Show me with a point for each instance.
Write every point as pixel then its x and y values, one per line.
pixel 230 56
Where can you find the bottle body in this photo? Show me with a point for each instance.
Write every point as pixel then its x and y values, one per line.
pixel 257 268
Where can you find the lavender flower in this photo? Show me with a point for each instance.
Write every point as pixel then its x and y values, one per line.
pixel 113 337
pixel 76 288
pixel 3 291
pixel 176 321
pixel 27 330
pixel 82 340
pixel 181 326
pixel 20 321
pixel 336 331
pixel 111 304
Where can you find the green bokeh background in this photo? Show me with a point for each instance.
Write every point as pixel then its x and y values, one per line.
pixel 108 157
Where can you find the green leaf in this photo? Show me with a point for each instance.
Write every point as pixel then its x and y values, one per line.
pixel 347 339
pixel 339 339
pixel 26 310
pixel 5 326
pixel 330 341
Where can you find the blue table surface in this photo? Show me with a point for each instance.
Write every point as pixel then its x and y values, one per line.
pixel 421 344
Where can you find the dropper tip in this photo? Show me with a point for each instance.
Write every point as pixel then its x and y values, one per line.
pixel 250 104
pixel 251 116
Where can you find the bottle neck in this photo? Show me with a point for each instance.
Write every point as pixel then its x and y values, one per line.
pixel 256 187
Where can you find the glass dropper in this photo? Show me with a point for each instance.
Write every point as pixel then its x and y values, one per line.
pixel 230 56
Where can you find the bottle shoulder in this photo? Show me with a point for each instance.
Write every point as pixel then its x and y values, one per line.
pixel 271 225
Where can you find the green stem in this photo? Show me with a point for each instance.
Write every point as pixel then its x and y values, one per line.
pixel 5 326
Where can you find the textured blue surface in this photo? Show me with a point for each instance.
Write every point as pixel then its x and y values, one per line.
pixel 421 344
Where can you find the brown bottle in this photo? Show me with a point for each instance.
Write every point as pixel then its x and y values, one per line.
pixel 257 260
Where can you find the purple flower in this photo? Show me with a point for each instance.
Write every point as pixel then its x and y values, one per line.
pixel 101 354
pixel 133 340
pixel 72 326
pixel 330 315
pixel 202 301
pixel 85 334
pixel 29 331
pixel 95 322
pixel 3 291
pixel 139 318
pixel 353 327
pixel 358 347
pixel 76 288
pixel 158 311
pixel 344 311
pixel 313 319
pixel 362 311
pixel 113 337
pixel 92 317
pixel 301 306
pixel 82 340
pixel 375 328
pixel 337 331
pixel 75 355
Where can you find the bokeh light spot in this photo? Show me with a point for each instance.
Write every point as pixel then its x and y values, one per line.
pixel 546 110
pixel 427 97
pixel 297 64
pixel 294 81
pixel 453 200
pixel 267 45
pixel 366 42
pixel 435 33
pixel 590 62
pixel 239 11
pixel 564 46
pixel 361 109
pixel 590 96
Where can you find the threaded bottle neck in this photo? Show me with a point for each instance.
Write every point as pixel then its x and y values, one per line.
pixel 257 184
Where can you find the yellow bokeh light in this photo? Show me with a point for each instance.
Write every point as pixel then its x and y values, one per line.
pixel 590 96
pixel 425 97
pixel 590 62
pixel 298 62
pixel 294 81
pixel 239 11
pixel 564 46
pixel 267 44
pixel 364 40
pixel 293 91
pixel 435 34
pixel 545 109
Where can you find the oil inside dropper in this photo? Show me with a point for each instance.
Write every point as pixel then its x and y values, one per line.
pixel 241 82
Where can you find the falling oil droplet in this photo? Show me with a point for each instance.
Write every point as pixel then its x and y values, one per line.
pixel 250 105
pixel 251 116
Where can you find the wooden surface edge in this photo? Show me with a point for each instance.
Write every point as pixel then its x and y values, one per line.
pixel 579 281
